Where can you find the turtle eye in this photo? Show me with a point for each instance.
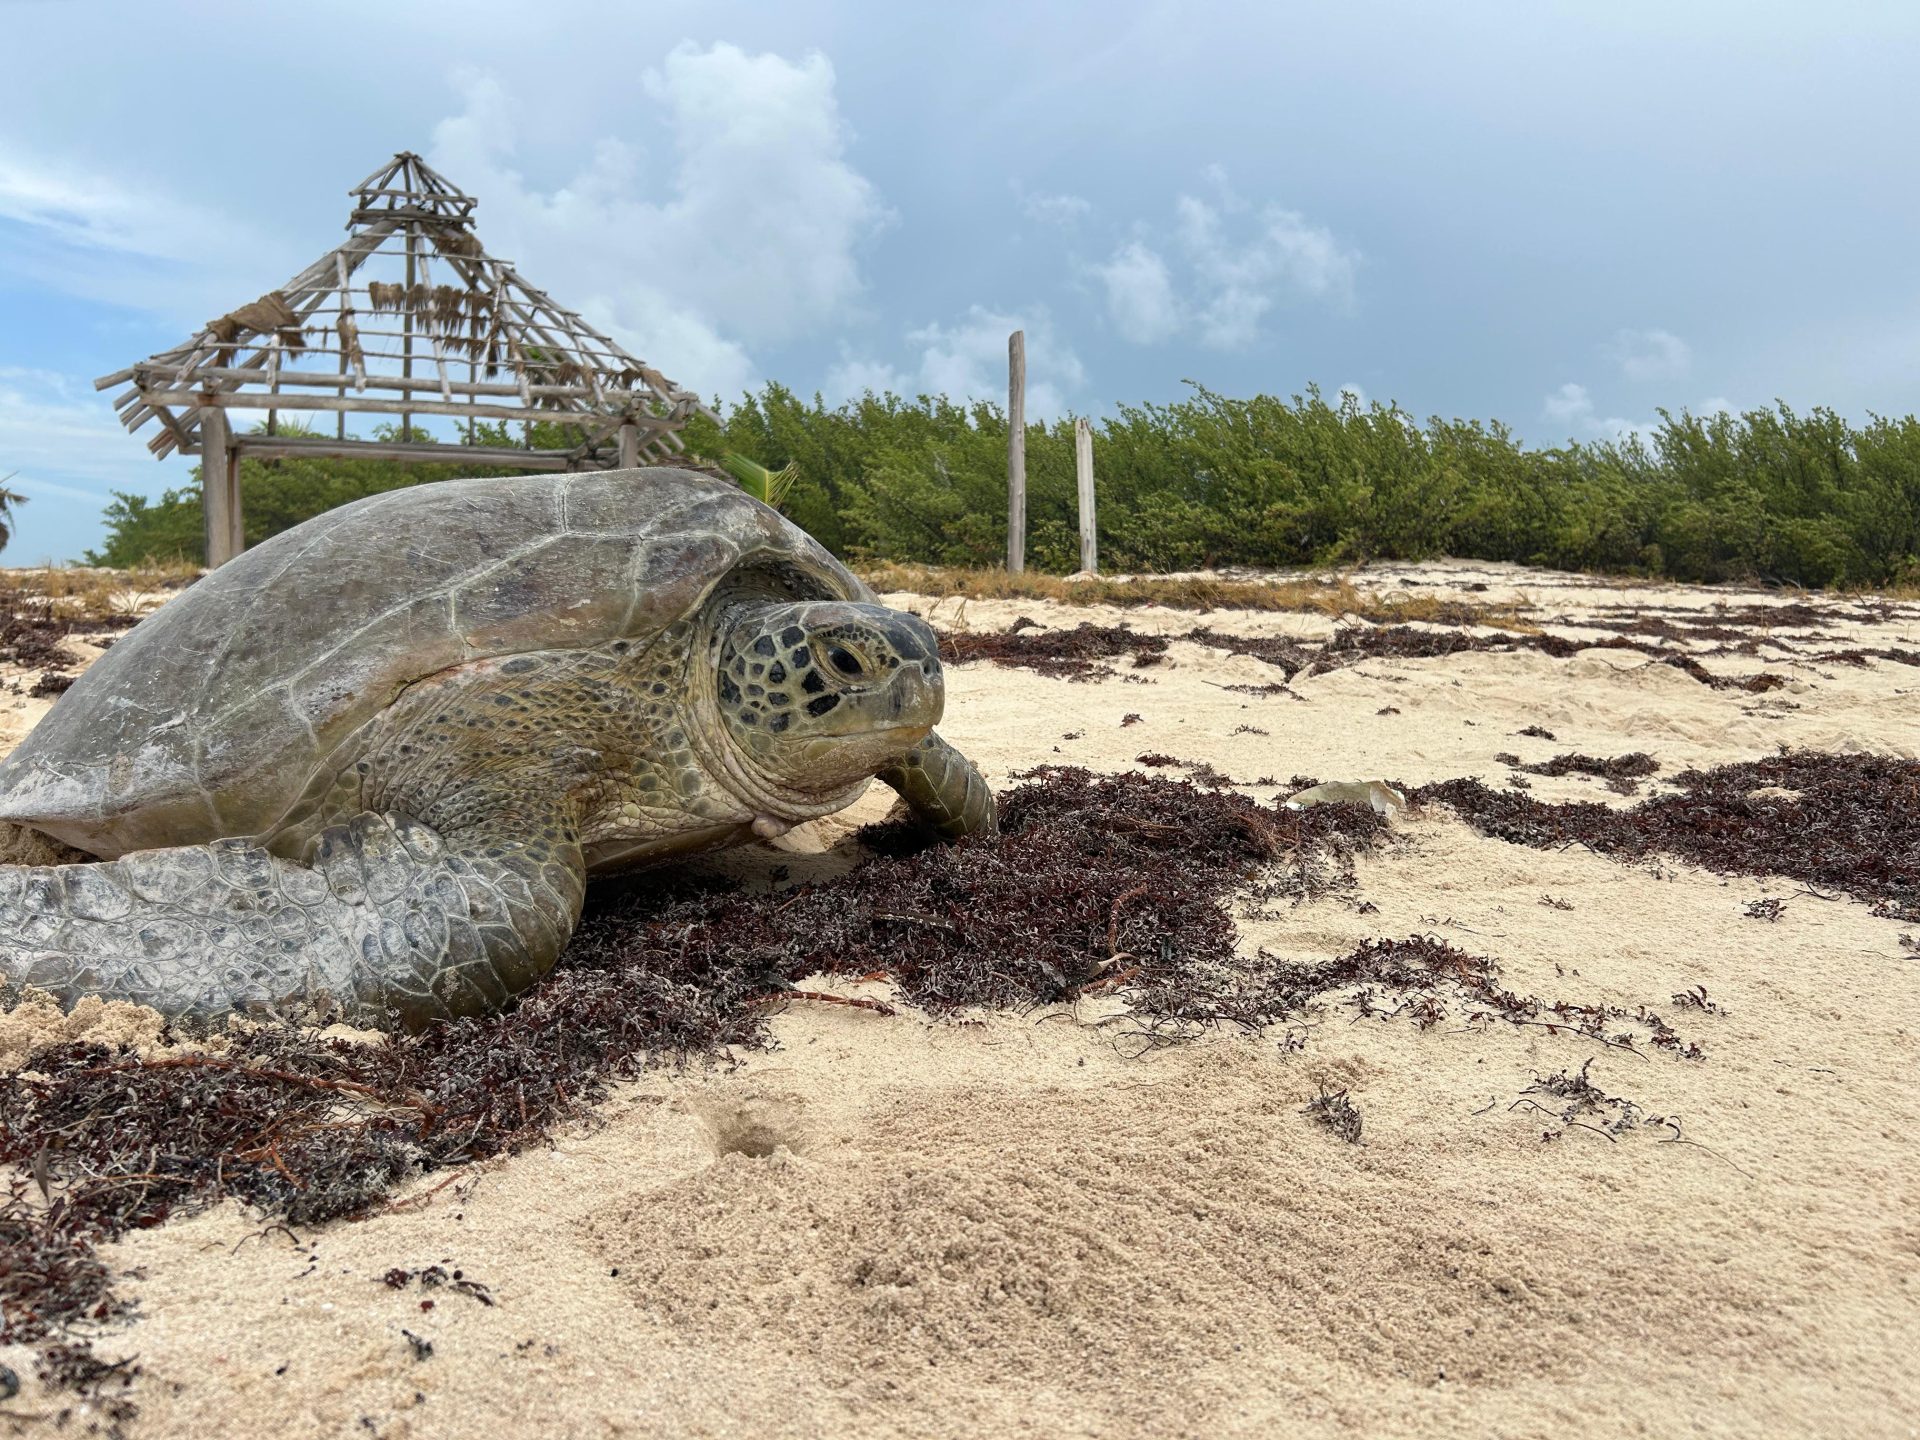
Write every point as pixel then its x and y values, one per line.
pixel 845 661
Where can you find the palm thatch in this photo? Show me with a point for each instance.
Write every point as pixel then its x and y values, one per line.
pixel 409 317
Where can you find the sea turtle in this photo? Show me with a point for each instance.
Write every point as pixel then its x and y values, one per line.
pixel 365 770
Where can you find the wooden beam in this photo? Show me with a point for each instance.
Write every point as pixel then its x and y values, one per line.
pixel 281 447
pixel 1083 475
pixel 174 428
pixel 215 498
pixel 1017 452
pixel 147 374
pixel 629 445
pixel 231 400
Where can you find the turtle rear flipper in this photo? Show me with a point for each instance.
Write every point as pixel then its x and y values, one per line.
pixel 392 921
pixel 945 790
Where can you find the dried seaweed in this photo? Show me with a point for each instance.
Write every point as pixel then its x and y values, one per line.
pixel 1107 881
pixel 29 635
pixel 1075 654
pixel 1632 766
pixel 1290 656
pixel 1850 822
pixel 1574 1102
pixel 1353 643
pixel 1079 653
pixel 1095 884
pixel 1336 1112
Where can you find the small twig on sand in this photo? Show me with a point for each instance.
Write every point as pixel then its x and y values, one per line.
pixel 857 1002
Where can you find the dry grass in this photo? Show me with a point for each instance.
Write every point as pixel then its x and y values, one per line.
pixel 1335 595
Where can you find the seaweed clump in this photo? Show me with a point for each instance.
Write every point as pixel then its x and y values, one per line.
pixel 1620 767
pixel 1404 642
pixel 1095 884
pixel 1621 773
pixel 1076 654
pixel 1081 653
pixel 1849 822
pixel 29 634
pixel 1091 884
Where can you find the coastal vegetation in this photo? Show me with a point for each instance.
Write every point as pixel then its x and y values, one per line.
pixel 1211 480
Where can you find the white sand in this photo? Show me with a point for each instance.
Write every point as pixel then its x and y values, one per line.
pixel 1009 1228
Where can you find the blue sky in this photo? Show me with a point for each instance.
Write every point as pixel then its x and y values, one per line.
pixel 1561 215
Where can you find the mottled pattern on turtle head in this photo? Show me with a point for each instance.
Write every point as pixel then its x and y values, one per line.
pixel 823 693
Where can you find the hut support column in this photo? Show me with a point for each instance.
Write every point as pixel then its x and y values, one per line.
pixel 629 445
pixel 219 486
pixel 236 522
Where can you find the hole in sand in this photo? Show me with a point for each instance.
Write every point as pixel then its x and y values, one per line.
pixel 758 1127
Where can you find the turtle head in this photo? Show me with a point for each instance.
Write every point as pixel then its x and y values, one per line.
pixel 824 693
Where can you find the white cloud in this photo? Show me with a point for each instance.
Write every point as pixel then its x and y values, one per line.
pixel 1651 354
pixel 96 212
pixel 754 240
pixel 968 360
pixel 1062 210
pixel 854 377
pixel 68 451
pixel 126 243
pixel 1573 406
pixel 53 425
pixel 1238 262
pixel 1140 298
pixel 1243 278
pixel 1569 402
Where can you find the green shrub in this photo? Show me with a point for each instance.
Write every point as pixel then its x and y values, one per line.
pixel 1213 480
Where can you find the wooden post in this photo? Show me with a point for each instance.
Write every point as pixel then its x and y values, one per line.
pixel 406 344
pixel 1016 452
pixel 216 488
pixel 1083 473
pixel 236 522
pixel 629 445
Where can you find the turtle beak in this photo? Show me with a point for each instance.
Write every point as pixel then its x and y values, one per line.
pixel 919 693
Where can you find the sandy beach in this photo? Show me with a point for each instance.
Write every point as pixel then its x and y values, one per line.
pixel 1012 1224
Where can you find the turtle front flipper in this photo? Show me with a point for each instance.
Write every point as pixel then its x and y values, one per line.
pixel 944 789
pixel 393 922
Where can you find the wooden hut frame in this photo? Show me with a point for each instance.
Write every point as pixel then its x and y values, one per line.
pixel 409 317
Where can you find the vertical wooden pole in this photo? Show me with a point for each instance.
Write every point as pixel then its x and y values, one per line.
pixel 406 342
pixel 1083 473
pixel 1017 452
pixel 629 445
pixel 236 522
pixel 215 493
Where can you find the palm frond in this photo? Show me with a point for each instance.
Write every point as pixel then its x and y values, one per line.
pixel 8 499
pixel 768 486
